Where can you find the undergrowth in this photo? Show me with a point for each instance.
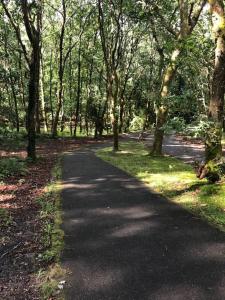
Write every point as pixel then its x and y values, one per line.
pixel 12 166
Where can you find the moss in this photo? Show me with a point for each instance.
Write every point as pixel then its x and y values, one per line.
pixel 173 179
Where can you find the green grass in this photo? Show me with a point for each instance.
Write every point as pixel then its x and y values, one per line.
pixel 52 236
pixel 173 179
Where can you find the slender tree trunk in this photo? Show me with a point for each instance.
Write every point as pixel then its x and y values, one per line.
pixel 122 106
pixel 33 96
pixel 60 73
pixel 50 91
pixel 42 100
pixel 38 122
pixel 77 112
pixel 15 103
pixel 161 108
pixel 112 99
pixel 22 83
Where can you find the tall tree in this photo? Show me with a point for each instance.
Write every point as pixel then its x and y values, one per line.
pixel 188 17
pixel 110 14
pixel 213 145
pixel 31 14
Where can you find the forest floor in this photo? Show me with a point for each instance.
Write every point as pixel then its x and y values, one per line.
pixel 21 227
pixel 125 241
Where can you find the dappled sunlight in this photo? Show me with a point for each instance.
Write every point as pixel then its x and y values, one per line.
pixel 118 233
pixel 133 229
pixel 161 181
pixel 172 178
pixel 79 186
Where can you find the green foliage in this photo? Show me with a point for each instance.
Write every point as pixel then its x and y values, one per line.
pixel 176 124
pixel 12 166
pixel 137 123
pixel 173 179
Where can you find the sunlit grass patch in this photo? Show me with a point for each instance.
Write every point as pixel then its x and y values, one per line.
pixel 172 178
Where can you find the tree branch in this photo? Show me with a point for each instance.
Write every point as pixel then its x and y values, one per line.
pixel 17 31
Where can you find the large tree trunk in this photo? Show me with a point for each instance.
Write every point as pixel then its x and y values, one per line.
pixel 213 145
pixel 216 106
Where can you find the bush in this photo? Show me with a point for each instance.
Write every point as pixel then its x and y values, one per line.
pixel 199 128
pixel 176 124
pixel 137 123
pixel 12 166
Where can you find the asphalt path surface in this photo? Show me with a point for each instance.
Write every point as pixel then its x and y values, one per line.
pixel 124 242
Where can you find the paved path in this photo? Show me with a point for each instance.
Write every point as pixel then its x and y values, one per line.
pixel 188 151
pixel 123 242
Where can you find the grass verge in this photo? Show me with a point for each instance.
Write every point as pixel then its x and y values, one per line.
pixel 173 179
pixel 52 238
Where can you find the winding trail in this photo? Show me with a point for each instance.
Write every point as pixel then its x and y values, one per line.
pixel 188 151
pixel 124 242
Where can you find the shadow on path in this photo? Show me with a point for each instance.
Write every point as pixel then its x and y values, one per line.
pixel 124 242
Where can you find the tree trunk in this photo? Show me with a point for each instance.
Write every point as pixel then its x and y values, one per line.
pixel 42 100
pixel 34 69
pixel 122 105
pixel 78 90
pixel 60 72
pixel 50 91
pixel 161 107
pixel 213 144
pixel 112 98
pixel 15 103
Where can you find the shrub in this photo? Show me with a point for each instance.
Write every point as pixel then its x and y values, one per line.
pixel 176 124
pixel 137 123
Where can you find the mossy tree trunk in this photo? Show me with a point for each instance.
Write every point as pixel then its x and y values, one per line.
pixel 213 144
pixel 161 108
pixel 189 16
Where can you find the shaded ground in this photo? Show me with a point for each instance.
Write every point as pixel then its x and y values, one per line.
pixel 20 241
pixel 187 150
pixel 124 242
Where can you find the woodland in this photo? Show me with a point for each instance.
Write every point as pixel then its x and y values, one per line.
pixel 87 66
pixel 80 71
